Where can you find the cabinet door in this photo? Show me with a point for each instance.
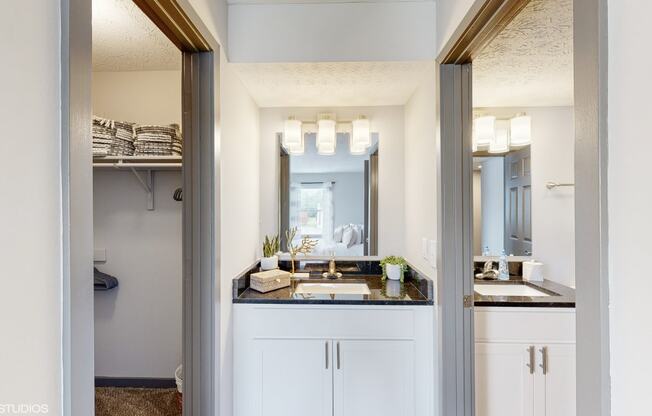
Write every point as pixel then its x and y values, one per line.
pixel 374 378
pixel 295 378
pixel 504 385
pixel 555 390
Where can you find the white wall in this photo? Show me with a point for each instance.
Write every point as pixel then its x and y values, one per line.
pixel 630 228
pixel 553 211
pixel 30 215
pixel 240 204
pixel 388 122
pixel 138 325
pixel 492 206
pixel 144 97
pixel 421 171
pixel 332 31
pixel 348 194
pixel 450 14
pixel 143 247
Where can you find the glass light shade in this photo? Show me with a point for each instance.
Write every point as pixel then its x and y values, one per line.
pixel 296 149
pixel 521 130
pixel 357 149
pixel 292 133
pixel 484 130
pixel 326 149
pixel 500 143
pixel 361 135
pixel 326 138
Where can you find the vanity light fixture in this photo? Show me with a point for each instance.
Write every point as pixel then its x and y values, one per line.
pixel 326 137
pixel 500 143
pixel 520 130
pixel 484 128
pixel 361 135
pixel 292 133
pixel 356 149
pixel 296 149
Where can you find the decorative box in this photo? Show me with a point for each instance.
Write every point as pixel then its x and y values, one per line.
pixel 269 280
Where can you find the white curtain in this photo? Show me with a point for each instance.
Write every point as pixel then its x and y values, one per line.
pixel 328 210
pixel 294 204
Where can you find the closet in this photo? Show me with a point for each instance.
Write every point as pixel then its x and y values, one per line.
pixel 137 209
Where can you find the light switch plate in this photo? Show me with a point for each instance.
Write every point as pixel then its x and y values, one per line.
pixel 424 248
pixel 99 254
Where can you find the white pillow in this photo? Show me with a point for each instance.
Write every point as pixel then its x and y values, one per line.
pixel 348 236
pixel 337 234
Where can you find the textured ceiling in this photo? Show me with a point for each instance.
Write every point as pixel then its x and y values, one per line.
pixel 332 83
pixel 124 39
pixel 530 63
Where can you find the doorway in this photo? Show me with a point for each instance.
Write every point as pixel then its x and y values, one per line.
pixel 199 89
pixel 455 283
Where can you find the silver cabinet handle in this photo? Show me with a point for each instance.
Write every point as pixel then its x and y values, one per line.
pixel 531 364
pixel 544 359
pixel 338 355
pixel 326 355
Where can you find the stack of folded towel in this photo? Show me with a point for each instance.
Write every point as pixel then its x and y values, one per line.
pixel 123 141
pixel 103 134
pixel 117 138
pixel 158 140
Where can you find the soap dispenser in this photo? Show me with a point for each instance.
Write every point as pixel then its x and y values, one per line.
pixel 503 267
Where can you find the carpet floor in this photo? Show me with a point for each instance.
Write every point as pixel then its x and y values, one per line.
pixel 118 401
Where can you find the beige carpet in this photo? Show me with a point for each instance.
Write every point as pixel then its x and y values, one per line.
pixel 115 401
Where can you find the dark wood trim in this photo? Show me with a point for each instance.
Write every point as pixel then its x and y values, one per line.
pixel 373 211
pixel 284 193
pixel 137 382
pixel 483 27
pixel 168 16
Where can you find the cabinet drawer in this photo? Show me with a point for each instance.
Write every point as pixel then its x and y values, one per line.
pixel 527 325
pixel 310 322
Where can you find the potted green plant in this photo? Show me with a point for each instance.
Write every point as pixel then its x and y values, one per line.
pixel 271 246
pixel 394 267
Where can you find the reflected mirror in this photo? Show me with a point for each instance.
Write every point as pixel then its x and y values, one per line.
pixel 331 198
pixel 502 203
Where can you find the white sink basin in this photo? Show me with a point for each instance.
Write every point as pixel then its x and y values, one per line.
pixel 333 288
pixel 507 290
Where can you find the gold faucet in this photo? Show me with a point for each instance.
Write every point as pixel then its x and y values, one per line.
pixel 332 270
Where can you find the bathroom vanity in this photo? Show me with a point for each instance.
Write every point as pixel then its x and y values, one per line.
pixel 524 348
pixel 333 348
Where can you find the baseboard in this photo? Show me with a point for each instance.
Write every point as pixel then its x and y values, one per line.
pixel 149 383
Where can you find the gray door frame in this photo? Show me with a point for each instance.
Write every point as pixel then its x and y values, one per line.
pixel 201 220
pixel 455 234
pixel 483 21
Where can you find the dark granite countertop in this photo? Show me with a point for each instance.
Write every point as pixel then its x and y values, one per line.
pixel 560 296
pixel 416 290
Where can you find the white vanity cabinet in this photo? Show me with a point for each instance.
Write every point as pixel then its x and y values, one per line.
pixel 525 361
pixel 333 360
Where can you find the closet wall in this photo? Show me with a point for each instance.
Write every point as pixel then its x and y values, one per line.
pixel 138 325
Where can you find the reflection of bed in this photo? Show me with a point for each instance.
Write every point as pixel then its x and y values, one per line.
pixel 326 248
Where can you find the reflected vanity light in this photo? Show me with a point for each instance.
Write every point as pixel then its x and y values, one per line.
pixel 292 136
pixel 500 143
pixel 520 130
pixel 326 137
pixel 361 135
pixel 484 129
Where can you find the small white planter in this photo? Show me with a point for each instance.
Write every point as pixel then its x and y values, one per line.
pixel 393 271
pixel 269 263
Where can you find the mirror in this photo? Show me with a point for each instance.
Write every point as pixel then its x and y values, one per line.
pixel 331 198
pixel 502 203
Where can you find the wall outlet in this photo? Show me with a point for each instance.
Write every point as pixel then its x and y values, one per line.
pixel 99 254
